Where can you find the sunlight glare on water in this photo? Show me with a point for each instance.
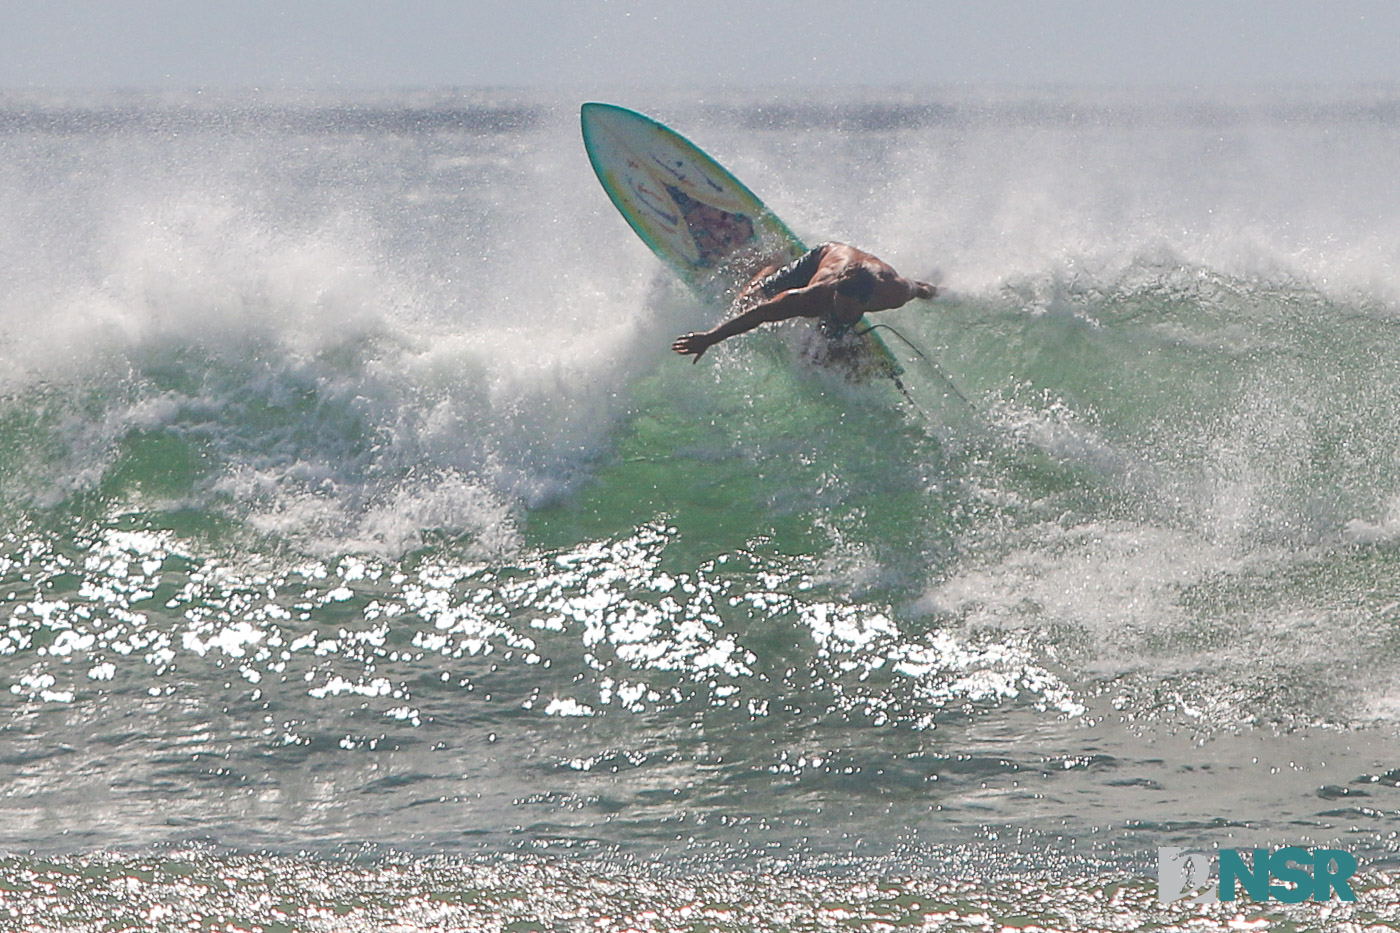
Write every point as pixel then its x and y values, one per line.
pixel 369 559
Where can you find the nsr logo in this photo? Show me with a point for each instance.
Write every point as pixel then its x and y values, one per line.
pixel 1183 873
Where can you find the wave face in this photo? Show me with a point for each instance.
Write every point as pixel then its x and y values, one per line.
pixel 353 496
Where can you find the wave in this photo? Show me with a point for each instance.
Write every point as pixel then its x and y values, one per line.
pixel 358 455
pixel 355 333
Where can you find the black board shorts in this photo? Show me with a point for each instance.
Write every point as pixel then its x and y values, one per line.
pixel 798 274
pixel 795 274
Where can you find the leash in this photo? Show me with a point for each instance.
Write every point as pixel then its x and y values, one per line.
pixel 933 364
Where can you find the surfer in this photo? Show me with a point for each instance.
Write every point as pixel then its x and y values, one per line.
pixel 834 283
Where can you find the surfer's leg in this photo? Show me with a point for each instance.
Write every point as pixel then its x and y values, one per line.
pixel 795 274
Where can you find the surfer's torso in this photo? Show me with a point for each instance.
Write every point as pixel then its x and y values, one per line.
pixel 834 283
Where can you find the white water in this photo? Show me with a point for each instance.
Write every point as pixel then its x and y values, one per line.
pixel 393 397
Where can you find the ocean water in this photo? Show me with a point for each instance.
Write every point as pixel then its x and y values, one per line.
pixel 369 562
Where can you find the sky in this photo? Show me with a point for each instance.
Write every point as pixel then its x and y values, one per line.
pixel 185 44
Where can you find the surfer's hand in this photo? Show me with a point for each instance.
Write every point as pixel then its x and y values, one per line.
pixel 689 344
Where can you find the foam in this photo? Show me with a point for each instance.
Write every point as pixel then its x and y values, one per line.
pixel 372 333
pixel 344 388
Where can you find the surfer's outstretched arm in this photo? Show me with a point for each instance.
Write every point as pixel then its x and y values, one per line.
pixel 833 281
pixel 796 302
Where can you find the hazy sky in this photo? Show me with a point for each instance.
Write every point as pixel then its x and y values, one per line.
pixel 582 43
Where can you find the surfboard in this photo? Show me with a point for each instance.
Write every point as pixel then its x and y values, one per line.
pixel 703 223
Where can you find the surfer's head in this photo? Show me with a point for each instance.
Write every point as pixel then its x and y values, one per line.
pixel 857 283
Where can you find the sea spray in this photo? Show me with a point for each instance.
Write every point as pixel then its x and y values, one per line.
pixel 353 498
